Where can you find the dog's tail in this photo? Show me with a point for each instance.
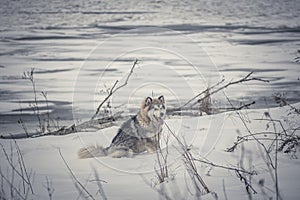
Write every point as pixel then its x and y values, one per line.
pixel 92 151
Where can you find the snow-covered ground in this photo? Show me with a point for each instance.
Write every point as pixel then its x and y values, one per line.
pixel 133 178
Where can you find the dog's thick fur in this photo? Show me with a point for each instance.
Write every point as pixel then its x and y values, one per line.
pixel 138 134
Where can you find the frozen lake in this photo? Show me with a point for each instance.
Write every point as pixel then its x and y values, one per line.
pixel 80 48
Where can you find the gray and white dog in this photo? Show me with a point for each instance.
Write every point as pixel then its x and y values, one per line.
pixel 138 134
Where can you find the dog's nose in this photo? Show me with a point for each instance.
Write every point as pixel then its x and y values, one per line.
pixel 162 114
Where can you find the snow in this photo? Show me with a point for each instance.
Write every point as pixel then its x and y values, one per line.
pixel 131 178
pixel 71 43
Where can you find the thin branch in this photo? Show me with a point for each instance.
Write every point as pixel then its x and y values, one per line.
pixel 278 196
pixel 162 159
pixel 12 173
pixel 203 92
pixel 49 188
pixel 189 162
pixel 74 177
pixel 22 171
pixel 12 186
pixel 80 191
pixel 162 192
pixel 242 80
pixel 224 190
pixel 246 182
pixel 21 122
pixel 44 94
pixel 224 167
pixel 274 120
pixel 30 76
pixel 253 136
pixel 100 187
pixel 12 165
pixel 23 165
pixel 243 106
pixel 190 103
pixel 114 89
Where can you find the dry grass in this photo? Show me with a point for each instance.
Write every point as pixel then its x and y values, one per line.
pixel 16 181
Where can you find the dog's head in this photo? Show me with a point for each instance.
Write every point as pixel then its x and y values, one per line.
pixel 155 109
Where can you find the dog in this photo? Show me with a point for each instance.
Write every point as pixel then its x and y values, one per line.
pixel 141 133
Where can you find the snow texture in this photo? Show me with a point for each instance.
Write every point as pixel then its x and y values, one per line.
pixel 132 178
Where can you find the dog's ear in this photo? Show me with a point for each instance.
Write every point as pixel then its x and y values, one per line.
pixel 148 101
pixel 161 99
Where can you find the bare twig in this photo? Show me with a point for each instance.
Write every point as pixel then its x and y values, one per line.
pixel 194 174
pixel 49 188
pixel 213 90
pixel 247 78
pixel 30 76
pixel 201 93
pixel 297 58
pixel 243 106
pixel 206 105
pixel 224 167
pixel 2 191
pixel 266 136
pixel 161 191
pixel 292 142
pixel 13 166
pixel 24 127
pixel 100 187
pixel 44 94
pixel 224 190
pixel 80 191
pixel 20 155
pixel 115 89
pixel 162 159
pixel 253 136
pixel 190 164
pixel 15 188
pixel 21 122
pixel 77 182
pixel 276 153
pixel 246 182
pixel 12 186
pixel 12 173
pixel 271 164
pixel 243 176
